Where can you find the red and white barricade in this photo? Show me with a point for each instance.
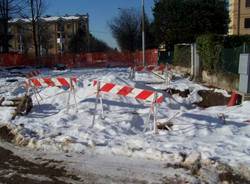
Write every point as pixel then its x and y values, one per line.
pixel 33 74
pixel 67 82
pixel 155 98
pixel 149 68
pixel 53 82
pixel 161 71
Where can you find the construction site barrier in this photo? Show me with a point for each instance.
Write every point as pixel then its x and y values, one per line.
pixel 69 82
pixel 149 68
pixel 98 59
pixel 52 82
pixel 33 74
pixel 154 97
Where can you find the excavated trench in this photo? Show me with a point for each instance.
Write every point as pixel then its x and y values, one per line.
pixel 210 98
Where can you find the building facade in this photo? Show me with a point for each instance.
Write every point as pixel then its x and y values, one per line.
pixel 240 17
pixel 54 35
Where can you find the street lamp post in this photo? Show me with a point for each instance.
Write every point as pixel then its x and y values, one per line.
pixel 143 34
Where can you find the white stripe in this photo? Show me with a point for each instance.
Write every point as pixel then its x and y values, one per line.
pixel 44 84
pixel 116 89
pixel 56 82
pixel 133 94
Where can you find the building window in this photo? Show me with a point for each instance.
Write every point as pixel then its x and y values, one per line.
pixel 247 22
pixel 68 26
pixel 247 3
pixel 60 26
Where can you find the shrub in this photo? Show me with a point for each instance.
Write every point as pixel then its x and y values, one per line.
pixel 210 47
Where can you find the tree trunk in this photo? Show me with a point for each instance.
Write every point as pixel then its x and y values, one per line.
pixel 5 36
pixel 34 26
pixel 34 31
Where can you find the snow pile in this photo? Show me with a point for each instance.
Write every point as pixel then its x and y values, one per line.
pixel 52 128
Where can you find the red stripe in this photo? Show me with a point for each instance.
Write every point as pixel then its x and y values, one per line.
pixel 139 68
pixel 160 99
pixel 63 82
pixel 150 68
pixel 125 90
pixel 49 82
pixel 107 87
pixel 33 73
pixel 28 75
pixel 94 82
pixel 36 82
pixel 144 95
pixel 162 68
pixel 74 79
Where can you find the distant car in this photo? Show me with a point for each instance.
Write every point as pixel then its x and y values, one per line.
pixel 60 67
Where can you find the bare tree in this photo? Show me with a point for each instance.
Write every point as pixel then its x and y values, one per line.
pixel 126 29
pixel 36 8
pixel 8 9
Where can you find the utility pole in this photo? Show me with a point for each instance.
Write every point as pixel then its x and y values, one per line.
pixel 143 34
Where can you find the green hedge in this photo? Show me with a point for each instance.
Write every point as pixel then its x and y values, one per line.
pixel 219 53
pixel 210 47
pixel 182 55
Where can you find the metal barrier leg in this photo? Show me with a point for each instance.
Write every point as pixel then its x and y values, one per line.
pixel 149 116
pixel 95 110
pixel 100 98
pixel 96 103
pixel 35 94
pixel 68 100
pixel 74 94
pixel 155 119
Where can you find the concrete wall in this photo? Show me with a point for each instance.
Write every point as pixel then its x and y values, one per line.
pixel 181 70
pixel 225 81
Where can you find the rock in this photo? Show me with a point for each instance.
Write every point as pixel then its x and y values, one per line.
pixel 193 162
pixel 193 158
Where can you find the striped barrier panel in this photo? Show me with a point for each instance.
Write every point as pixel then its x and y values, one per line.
pixel 33 74
pixel 68 82
pixel 52 82
pixel 154 97
pixel 128 91
pixel 149 68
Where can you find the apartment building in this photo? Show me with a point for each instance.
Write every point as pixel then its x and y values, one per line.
pixel 54 35
pixel 240 17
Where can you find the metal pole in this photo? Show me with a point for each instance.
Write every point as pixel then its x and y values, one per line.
pixel 143 34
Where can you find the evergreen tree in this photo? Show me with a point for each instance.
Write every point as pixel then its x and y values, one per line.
pixel 181 21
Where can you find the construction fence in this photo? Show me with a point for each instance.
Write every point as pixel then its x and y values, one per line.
pixel 109 59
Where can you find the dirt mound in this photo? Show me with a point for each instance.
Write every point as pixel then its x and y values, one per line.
pixel 183 94
pixel 6 134
pixel 211 98
pixel 13 135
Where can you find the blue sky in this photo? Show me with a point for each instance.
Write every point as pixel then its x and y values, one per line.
pixel 100 11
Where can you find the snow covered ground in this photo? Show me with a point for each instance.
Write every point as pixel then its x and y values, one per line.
pixel 50 127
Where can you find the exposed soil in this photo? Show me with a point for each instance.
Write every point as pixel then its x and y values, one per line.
pixel 224 173
pixel 183 94
pixel 211 98
pixel 5 134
